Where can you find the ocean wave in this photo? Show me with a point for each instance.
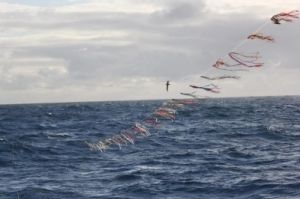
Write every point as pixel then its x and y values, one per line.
pixel 220 148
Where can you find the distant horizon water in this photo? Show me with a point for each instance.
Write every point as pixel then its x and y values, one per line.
pixel 149 99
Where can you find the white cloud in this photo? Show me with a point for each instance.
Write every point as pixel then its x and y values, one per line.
pixel 108 6
pixel 255 7
pixel 126 49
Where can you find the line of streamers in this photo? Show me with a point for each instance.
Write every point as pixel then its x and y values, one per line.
pixel 166 112
pixel 169 109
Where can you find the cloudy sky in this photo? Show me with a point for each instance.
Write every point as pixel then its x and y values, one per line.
pixel 92 50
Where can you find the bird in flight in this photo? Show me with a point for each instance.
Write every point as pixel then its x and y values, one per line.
pixel 167 85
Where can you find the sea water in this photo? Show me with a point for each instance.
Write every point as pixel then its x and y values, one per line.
pixel 218 148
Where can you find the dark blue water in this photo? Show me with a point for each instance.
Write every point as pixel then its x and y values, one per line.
pixel 220 148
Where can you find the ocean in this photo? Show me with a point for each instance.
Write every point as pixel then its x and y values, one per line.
pixel 217 148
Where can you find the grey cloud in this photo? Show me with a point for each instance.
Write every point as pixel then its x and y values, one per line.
pixel 178 41
pixel 179 11
pixel 49 18
pixel 175 47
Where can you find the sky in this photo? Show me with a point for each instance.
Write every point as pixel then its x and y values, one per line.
pixel 99 50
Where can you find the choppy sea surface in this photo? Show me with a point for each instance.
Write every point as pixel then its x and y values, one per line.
pixel 219 148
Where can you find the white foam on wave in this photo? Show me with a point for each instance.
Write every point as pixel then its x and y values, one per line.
pixel 145 167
